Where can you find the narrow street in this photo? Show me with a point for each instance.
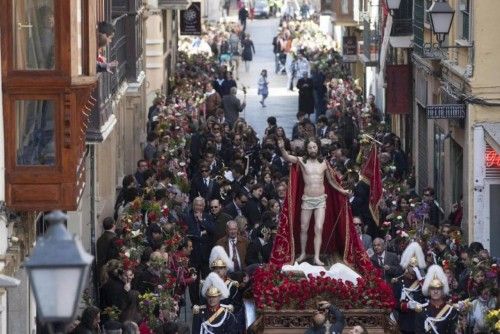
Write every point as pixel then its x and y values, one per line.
pixel 281 102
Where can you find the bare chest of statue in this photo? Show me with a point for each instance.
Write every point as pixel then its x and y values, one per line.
pixel 313 173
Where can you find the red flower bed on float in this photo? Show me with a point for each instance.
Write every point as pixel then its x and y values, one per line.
pixel 277 290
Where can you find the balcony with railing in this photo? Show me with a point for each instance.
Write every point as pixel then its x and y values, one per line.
pixel 127 49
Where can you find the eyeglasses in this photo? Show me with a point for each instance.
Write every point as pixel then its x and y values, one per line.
pixel 214 207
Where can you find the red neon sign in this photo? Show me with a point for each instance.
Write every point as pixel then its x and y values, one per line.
pixel 492 159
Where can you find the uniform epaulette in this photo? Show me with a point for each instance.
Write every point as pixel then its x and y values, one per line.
pixel 232 282
pixel 229 307
pixel 198 308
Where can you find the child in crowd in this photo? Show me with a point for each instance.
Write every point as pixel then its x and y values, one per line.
pixel 263 87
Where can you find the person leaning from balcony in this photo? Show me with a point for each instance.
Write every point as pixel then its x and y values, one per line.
pixel 102 65
pixel 107 29
pixel 325 310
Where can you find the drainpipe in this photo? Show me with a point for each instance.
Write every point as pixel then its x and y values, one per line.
pixel 93 221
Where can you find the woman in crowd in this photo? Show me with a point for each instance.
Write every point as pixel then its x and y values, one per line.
pixel 248 51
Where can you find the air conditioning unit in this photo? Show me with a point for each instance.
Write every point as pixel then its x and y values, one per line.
pixel 173 4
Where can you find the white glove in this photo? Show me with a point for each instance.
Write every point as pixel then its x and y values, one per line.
pixel 412 304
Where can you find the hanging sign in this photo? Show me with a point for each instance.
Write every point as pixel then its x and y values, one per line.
pixel 349 49
pixel 190 20
pixel 447 111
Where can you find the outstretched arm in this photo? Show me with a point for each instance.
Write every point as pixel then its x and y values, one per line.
pixel 290 158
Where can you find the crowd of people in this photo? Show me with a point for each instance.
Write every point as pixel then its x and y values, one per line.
pixel 200 213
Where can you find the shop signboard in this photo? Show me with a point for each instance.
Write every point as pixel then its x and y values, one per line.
pixel 190 20
pixel 446 111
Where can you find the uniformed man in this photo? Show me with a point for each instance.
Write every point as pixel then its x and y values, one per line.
pixel 408 287
pixel 436 316
pixel 221 265
pixel 214 317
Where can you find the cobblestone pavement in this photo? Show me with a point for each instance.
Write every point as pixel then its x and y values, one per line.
pixel 281 102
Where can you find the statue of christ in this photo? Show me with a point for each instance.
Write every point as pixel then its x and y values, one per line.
pixel 314 170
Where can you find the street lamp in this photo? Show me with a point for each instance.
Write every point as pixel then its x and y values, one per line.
pixel 441 17
pixel 57 270
pixel 393 5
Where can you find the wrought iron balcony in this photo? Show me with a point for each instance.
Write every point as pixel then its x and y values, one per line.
pixel 127 49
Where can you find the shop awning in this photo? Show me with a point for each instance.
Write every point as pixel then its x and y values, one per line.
pixel 402 42
pixel 492 135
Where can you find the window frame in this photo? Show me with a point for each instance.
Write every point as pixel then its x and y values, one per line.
pixel 465 9
pixel 11 144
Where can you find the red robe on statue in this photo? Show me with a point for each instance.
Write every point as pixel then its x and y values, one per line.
pixel 339 234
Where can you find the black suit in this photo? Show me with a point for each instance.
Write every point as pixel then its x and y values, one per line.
pixel 113 293
pixel 253 212
pixel 201 233
pixel 434 215
pixel 322 133
pixel 106 248
pixel 280 165
pixel 198 141
pixel 200 188
pixel 258 253
pixel 231 210
pixel 391 260
pixel 360 207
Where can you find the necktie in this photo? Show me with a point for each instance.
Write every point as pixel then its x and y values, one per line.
pixel 381 261
pixel 207 182
pixel 235 256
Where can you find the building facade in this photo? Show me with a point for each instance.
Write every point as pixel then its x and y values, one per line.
pixel 457 151
pixel 69 134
